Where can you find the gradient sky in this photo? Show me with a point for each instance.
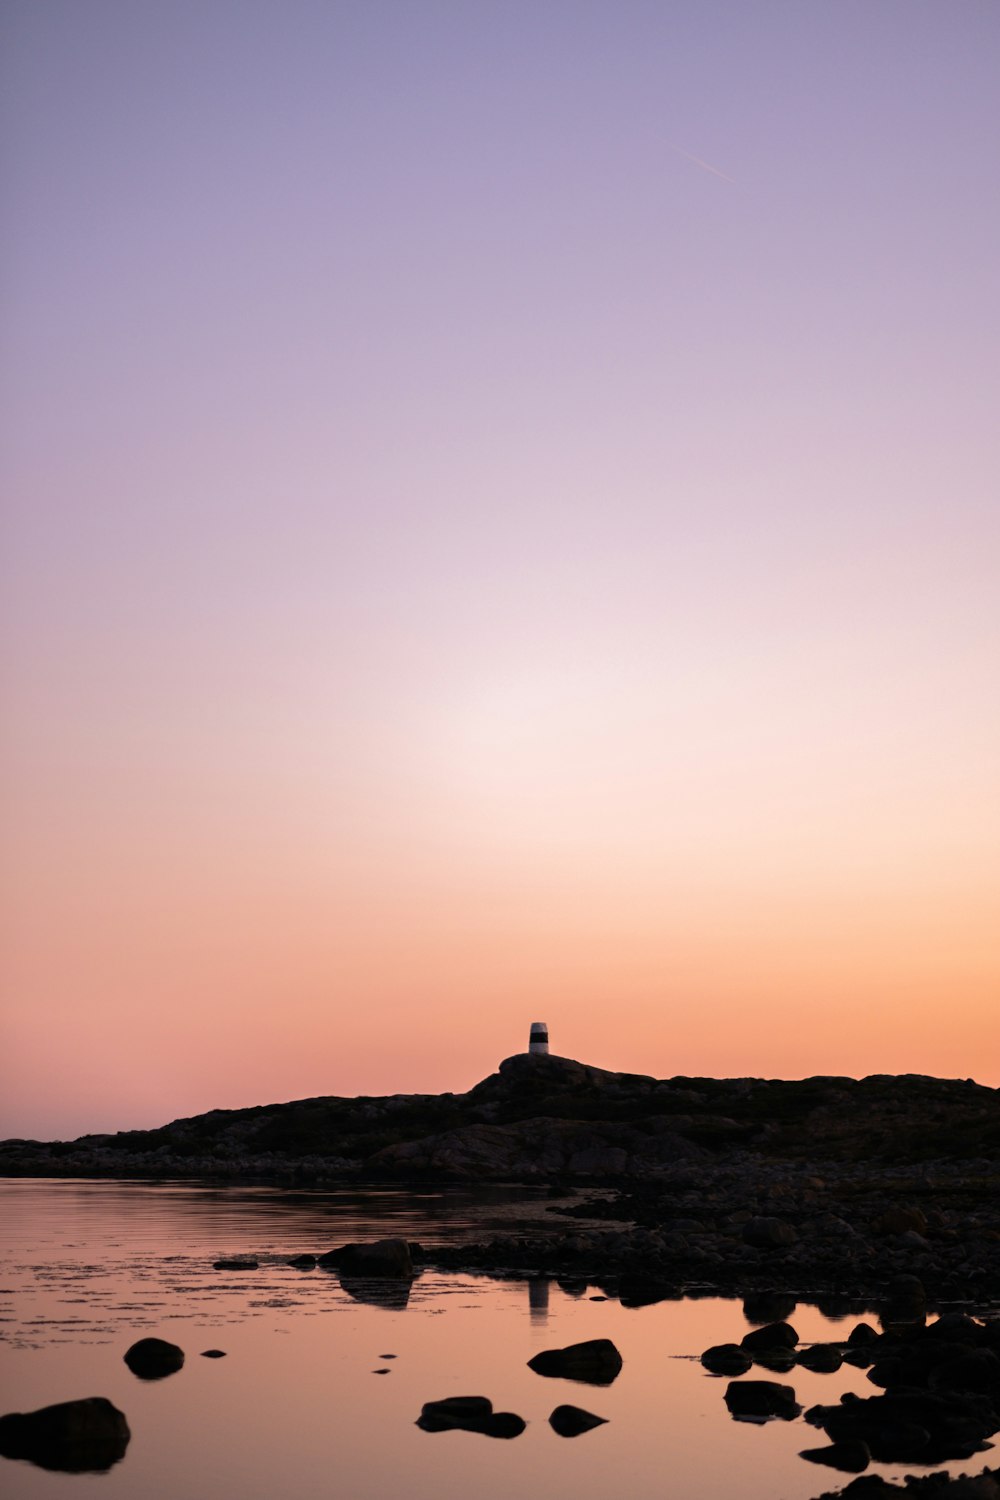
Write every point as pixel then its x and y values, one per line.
pixel 503 524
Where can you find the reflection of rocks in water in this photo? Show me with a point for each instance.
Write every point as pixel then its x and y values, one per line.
pixel 76 1437
pixel 380 1291
pixel 538 1299
pixel 380 1272
pixel 595 1361
pixel 643 1291
pixel 768 1307
pixel 152 1359
pixel 469 1414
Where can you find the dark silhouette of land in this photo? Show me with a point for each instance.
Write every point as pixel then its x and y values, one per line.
pixel 834 1184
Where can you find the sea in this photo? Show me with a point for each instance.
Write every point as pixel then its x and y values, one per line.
pixel 319 1390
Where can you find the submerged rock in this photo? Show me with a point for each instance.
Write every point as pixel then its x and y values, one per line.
pixel 234 1265
pixel 152 1359
pixel 570 1421
pixel 76 1437
pixel 595 1362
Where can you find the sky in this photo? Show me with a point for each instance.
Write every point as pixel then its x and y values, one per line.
pixel 502 523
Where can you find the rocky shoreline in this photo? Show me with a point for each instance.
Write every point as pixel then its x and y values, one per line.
pixel 830 1186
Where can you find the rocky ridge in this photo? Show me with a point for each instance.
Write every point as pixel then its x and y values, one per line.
pixel 553 1120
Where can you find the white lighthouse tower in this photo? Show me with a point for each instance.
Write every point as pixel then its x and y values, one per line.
pixel 538 1039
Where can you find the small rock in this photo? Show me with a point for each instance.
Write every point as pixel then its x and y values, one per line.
pixel 570 1421
pixel 772 1336
pixel 761 1399
pixel 213 1354
pixel 726 1359
pixel 152 1359
pixel 303 1262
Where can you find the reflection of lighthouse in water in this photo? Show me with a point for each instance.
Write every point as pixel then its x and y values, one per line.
pixel 538 1040
pixel 538 1299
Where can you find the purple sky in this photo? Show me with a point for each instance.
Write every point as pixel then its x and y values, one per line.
pixel 494 479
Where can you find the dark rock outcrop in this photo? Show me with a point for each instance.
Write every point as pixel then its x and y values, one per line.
pixel 75 1437
pixel 910 1426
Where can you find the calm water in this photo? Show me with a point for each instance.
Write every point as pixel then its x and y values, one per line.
pixel 296 1410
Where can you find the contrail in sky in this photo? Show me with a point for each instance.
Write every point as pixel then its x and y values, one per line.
pixel 706 164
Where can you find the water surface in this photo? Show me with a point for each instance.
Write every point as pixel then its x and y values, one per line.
pixel 296 1408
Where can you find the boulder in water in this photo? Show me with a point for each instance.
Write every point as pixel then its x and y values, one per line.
pixel 759 1400
pixel 151 1359
pixel 469 1414
pixel 595 1362
pixel 570 1421
pixel 76 1437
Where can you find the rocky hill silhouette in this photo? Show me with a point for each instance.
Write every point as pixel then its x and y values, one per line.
pixel 551 1119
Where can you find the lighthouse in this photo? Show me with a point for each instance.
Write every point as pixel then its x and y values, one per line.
pixel 538 1039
